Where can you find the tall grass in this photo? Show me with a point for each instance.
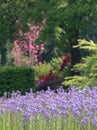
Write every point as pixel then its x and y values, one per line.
pixel 12 121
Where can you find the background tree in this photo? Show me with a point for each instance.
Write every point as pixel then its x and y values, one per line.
pixel 8 17
pixel 10 12
pixel 88 67
pixel 65 22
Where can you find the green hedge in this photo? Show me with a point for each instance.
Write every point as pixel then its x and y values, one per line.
pixel 16 78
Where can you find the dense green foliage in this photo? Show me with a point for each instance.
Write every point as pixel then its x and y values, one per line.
pixel 53 65
pixel 10 12
pixel 50 74
pixel 16 78
pixel 66 23
pixel 87 68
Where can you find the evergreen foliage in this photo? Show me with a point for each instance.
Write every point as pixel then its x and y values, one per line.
pixel 87 68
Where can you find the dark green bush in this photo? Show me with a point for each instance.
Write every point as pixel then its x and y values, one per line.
pixel 16 78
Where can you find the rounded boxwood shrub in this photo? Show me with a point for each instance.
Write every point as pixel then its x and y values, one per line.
pixel 16 78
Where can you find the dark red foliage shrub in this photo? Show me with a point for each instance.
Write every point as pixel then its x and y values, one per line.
pixel 48 80
pixel 51 79
pixel 47 77
pixel 66 61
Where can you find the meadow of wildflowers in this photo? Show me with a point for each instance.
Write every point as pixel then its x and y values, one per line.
pixel 49 110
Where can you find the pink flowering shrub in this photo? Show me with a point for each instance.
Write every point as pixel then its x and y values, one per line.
pixel 26 51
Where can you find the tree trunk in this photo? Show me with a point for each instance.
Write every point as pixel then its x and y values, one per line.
pixel 75 52
pixel 3 56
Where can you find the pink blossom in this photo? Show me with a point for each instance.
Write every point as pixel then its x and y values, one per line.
pixel 31 47
pixel 37 47
pixel 25 46
pixel 29 24
pixel 15 42
pixel 17 21
pixel 35 51
pixel 44 21
pixel 42 45
pixel 39 63
pixel 26 51
pixel 42 48
pixel 20 32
